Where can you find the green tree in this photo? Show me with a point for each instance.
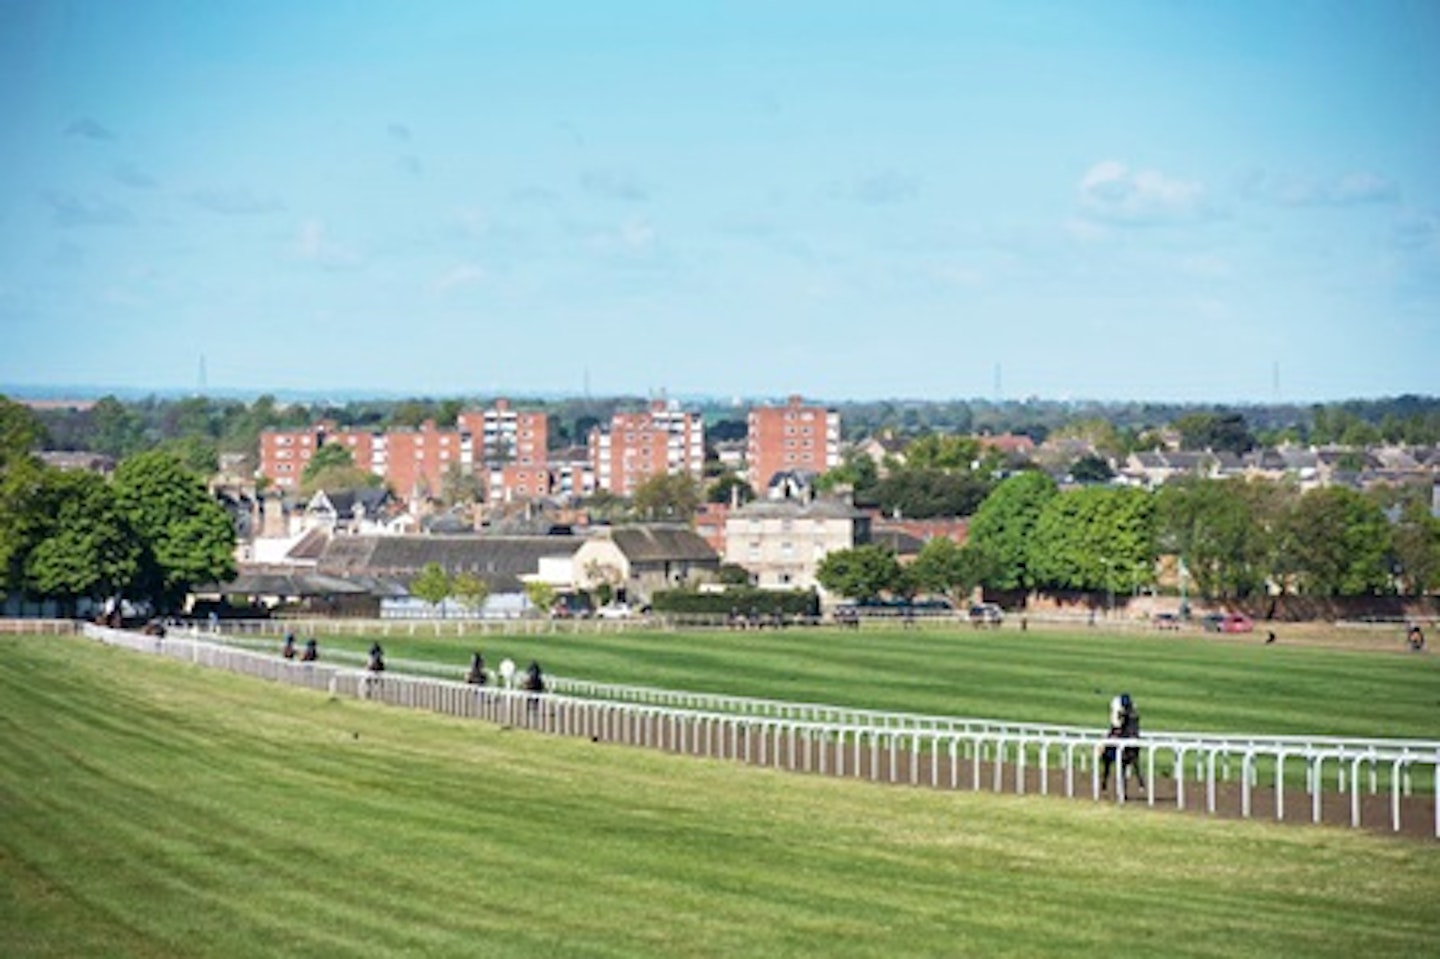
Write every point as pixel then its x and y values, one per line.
pixel 945 567
pixel 672 496
pixel 721 489
pixel 196 453
pixel 20 431
pixel 1215 431
pixel 541 596
pixel 186 536
pixel 115 429
pixel 1003 524
pixel 856 471
pixel 90 551
pixel 468 589
pixel 333 468
pixel 942 452
pixel 1091 469
pixel 864 572
pixel 433 584
pixel 1095 538
pixel 1416 543
pixel 1346 543
pixel 923 493
pixel 1213 527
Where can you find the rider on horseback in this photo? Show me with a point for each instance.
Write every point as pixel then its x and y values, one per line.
pixel 1124 724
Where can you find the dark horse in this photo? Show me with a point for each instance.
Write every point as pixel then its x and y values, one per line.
pixel 1129 728
pixel 377 659
pixel 476 675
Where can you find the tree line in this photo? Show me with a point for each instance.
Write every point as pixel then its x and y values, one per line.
pixel 1230 539
pixel 150 532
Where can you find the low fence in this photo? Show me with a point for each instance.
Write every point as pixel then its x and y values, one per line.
pixel 921 751
pixel 38 627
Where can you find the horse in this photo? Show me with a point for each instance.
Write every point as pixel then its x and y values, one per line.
pixel 288 650
pixel 377 659
pixel 1415 638
pixel 1129 728
pixel 476 674
pixel 312 651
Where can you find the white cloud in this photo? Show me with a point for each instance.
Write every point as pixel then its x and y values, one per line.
pixel 314 245
pixel 1110 191
pixel 463 275
pixel 1207 266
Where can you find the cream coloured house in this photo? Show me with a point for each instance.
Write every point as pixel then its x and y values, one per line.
pixel 782 541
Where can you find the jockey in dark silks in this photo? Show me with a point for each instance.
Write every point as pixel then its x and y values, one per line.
pixel 288 650
pixel 312 651
pixel 1124 724
pixel 476 674
pixel 377 659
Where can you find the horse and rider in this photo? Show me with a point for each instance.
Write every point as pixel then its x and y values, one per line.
pixel 288 650
pixel 475 675
pixel 1124 724
pixel 376 661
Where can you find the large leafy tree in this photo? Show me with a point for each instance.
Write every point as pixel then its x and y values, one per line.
pixel 861 573
pixel 20 431
pixel 924 493
pixel 1003 524
pixel 1416 543
pixel 1346 543
pixel 945 567
pixel 667 496
pixel 28 507
pixel 1213 526
pixel 1094 538
pixel 185 535
pixel 90 550
pixel 1215 431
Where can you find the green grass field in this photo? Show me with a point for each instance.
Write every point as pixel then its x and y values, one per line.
pixel 1179 682
pixel 149 808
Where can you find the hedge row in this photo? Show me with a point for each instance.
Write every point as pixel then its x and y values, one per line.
pixel 745 600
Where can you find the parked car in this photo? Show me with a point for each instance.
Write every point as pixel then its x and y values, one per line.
pixel 1236 623
pixel 1167 621
pixel 615 611
pixel 987 614
pixel 1211 622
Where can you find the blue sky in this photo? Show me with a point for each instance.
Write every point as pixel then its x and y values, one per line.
pixel 1169 201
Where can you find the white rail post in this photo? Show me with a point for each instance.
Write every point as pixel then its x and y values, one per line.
pixel 1210 778
pixel 1280 758
pixel 1355 791
pixel 1247 762
pixel 1319 767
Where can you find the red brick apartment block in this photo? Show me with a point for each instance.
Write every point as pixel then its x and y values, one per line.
pixel 638 446
pixel 504 447
pixel 791 437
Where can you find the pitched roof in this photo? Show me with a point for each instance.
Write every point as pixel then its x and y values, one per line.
pixel 499 560
pixel 822 508
pixel 658 544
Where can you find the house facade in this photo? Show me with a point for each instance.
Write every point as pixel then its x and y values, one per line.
pixel 636 561
pixel 781 542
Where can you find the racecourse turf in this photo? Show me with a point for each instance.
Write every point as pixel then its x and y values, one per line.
pixel 151 808
pixel 1184 681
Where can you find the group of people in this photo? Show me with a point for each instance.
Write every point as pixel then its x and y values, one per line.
pixel 310 654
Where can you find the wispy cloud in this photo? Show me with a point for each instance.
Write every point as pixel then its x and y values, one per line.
pixel 885 187
pixel 1110 191
pixel 88 129
pixel 614 185
pixel 1357 188
pixel 410 163
pixel 69 210
pixel 234 202
pixel 313 244
pixel 399 132
pixel 459 277
pixel 1415 229
pixel 128 174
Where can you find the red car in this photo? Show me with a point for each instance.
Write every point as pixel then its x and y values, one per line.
pixel 1236 623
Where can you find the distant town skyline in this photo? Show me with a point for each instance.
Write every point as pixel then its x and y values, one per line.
pixel 1194 203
